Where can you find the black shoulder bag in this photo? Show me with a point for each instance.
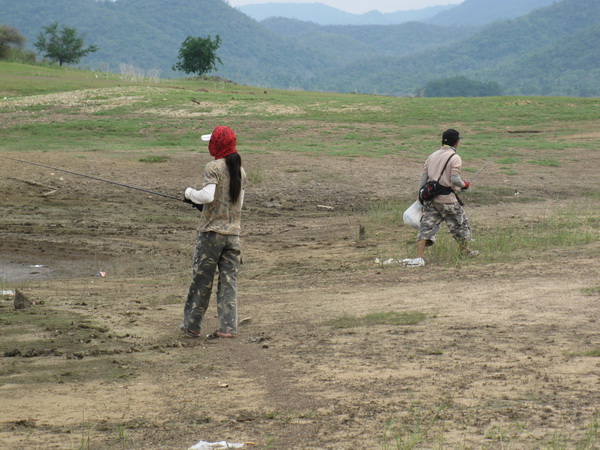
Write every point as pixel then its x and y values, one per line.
pixel 432 189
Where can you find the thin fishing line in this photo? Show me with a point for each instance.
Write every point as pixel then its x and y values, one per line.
pixel 92 178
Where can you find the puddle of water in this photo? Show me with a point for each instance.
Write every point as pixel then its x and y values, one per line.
pixel 11 272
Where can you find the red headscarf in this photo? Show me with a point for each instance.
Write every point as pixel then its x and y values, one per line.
pixel 222 142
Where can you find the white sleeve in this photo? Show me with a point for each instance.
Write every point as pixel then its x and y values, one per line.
pixel 206 195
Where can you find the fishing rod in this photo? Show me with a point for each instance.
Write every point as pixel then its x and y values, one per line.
pixel 195 205
pixel 479 171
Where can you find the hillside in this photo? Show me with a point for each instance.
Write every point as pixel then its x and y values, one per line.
pixel 143 37
pixel 575 69
pixel 326 15
pixel 482 12
pixel 339 346
pixel 466 13
pixel 366 40
pixel 499 52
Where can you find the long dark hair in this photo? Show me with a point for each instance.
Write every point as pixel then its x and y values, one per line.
pixel 234 165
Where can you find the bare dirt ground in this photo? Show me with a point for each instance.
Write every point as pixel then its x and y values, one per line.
pixel 98 362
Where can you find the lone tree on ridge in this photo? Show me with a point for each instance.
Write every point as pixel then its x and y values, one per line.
pixel 198 55
pixel 64 46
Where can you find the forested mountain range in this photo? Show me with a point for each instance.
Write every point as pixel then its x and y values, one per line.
pixel 518 54
pixel 465 13
pixel 326 15
pixel 550 51
pixel 365 40
pixel 483 12
pixel 147 35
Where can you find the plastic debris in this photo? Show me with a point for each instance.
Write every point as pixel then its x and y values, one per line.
pixel 245 320
pixel 325 208
pixel 8 294
pixel 412 216
pixel 203 445
pixel 414 262
pixel 386 262
pixel 101 274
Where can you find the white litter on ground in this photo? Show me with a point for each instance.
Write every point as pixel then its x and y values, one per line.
pixel 203 445
pixel 415 262
pixel 386 262
pixel 7 294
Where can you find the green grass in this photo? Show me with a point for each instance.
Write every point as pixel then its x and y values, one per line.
pixel 155 159
pixel 255 175
pixel 424 426
pixel 595 290
pixel 508 241
pixel 545 162
pixel 163 117
pixel 572 227
pixel 126 113
pixel 159 118
pixel 508 160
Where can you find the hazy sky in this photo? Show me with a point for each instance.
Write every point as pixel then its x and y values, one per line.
pixel 359 6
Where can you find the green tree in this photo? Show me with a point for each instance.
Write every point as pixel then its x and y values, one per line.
pixel 9 36
pixel 198 55
pixel 461 86
pixel 64 46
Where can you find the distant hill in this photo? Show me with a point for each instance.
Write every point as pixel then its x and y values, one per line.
pixel 326 15
pixel 145 36
pixel 463 13
pixel 550 51
pixel 571 64
pixel 482 12
pixel 366 40
pixel 516 53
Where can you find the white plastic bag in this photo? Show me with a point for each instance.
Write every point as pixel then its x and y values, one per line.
pixel 412 216
pixel 203 445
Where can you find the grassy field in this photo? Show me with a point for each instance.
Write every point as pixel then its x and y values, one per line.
pixel 336 351
pixel 162 114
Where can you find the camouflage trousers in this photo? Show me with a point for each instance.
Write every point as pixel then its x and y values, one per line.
pixel 451 213
pixel 214 250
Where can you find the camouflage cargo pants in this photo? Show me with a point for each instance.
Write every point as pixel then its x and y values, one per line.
pixel 451 213
pixel 214 250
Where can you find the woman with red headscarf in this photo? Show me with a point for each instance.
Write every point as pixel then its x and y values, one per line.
pixel 218 243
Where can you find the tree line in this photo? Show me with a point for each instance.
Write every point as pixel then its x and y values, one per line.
pixel 65 45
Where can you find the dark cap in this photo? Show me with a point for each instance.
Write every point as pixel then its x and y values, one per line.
pixel 450 137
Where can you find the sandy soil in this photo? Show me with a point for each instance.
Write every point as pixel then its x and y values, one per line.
pixel 98 362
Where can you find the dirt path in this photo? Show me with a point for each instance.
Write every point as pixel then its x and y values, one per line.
pixel 498 361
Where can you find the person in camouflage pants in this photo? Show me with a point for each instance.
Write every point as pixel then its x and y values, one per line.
pixel 218 242
pixel 454 216
pixel 214 250
pixel 444 165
